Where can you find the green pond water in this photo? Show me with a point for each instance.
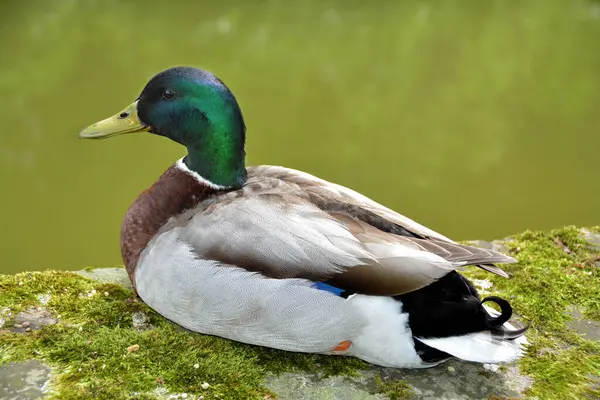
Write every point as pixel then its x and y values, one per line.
pixel 475 118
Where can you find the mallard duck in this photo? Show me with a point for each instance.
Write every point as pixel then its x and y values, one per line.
pixel 276 257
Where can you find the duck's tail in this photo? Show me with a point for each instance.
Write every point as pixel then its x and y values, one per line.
pixel 500 344
pixel 448 319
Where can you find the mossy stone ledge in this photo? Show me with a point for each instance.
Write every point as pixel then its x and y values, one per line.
pixel 78 335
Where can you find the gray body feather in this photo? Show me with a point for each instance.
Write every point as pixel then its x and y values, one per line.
pixel 284 224
pixel 242 264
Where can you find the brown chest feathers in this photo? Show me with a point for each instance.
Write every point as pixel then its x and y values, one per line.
pixel 174 192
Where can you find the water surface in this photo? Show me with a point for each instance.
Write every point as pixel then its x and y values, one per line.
pixel 478 119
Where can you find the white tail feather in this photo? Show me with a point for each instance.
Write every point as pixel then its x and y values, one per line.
pixel 481 346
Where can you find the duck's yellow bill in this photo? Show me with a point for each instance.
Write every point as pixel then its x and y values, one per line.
pixel 126 121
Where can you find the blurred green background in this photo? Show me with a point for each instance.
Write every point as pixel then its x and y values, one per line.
pixel 476 118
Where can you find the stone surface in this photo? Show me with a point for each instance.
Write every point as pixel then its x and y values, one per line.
pixel 112 275
pixel 140 320
pixel 585 327
pixel 456 380
pixel 24 381
pixel 32 320
pixel 453 380
pixel 310 387
pixel 592 238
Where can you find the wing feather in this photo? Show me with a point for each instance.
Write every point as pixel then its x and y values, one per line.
pixel 285 224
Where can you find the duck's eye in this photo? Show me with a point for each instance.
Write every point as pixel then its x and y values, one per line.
pixel 168 94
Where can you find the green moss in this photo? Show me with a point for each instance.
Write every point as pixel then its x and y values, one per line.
pixel 394 389
pixel 88 347
pixel 555 273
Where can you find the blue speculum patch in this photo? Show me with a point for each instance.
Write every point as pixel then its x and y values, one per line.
pixel 328 288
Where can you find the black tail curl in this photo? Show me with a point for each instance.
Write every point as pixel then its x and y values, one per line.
pixel 506 311
pixel 451 307
pixel 495 324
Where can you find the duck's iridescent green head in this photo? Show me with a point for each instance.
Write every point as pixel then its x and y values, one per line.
pixel 194 108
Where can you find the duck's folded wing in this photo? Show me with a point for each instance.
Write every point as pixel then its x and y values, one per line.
pixel 325 192
pixel 276 229
pixel 330 196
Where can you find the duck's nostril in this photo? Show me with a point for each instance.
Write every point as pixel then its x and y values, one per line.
pixel 124 115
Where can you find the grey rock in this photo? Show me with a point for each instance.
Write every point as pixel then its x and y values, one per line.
pixel 24 381
pixel 310 387
pixel 592 238
pixel 585 327
pixel 32 320
pixel 110 275
pixel 140 320
pixel 453 380
pixel 467 381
